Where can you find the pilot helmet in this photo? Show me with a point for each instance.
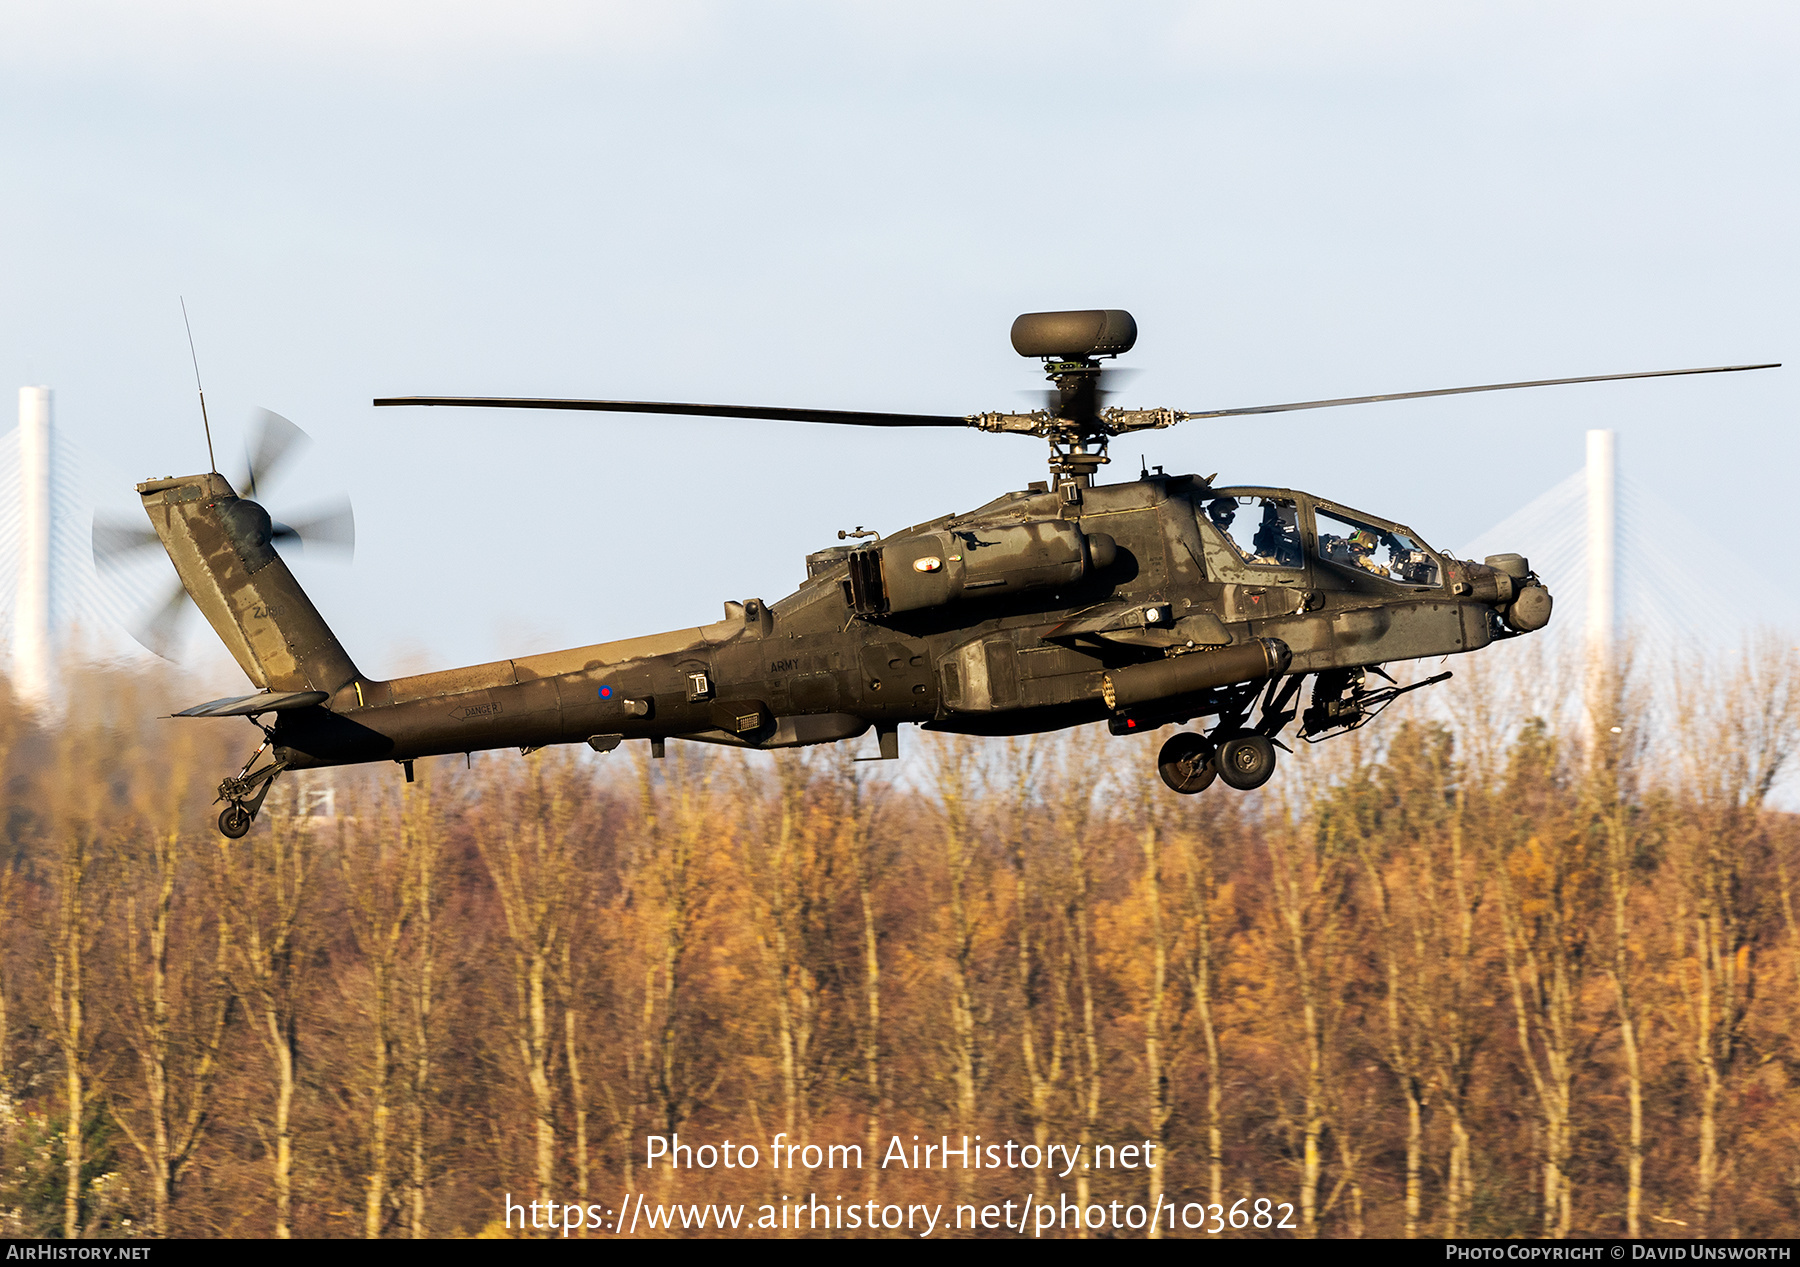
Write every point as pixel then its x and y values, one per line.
pixel 1364 540
pixel 1222 510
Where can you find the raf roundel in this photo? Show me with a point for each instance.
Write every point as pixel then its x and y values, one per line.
pixel 606 692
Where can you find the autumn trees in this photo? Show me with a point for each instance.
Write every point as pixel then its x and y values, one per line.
pixel 1466 973
pixel 173 996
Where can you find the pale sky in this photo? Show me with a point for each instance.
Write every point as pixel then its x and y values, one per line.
pixel 844 206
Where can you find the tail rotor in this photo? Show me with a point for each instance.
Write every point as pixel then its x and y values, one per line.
pixel 156 611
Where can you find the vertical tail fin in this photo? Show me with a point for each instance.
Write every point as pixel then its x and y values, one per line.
pixel 219 544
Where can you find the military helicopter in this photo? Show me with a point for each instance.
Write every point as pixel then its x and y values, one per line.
pixel 1148 603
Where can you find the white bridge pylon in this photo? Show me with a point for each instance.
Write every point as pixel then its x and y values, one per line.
pixel 1602 552
pixel 52 603
pixel 1665 576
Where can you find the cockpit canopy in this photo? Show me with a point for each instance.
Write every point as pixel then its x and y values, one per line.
pixel 1277 530
pixel 1384 549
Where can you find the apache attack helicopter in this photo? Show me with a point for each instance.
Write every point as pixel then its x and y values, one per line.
pixel 1142 604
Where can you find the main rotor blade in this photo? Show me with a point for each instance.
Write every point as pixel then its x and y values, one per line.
pixel 1458 391
pixel 842 416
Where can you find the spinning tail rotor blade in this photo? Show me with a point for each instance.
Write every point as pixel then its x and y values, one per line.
pixel 118 541
pixel 159 632
pixel 332 525
pixel 276 438
pixel 845 417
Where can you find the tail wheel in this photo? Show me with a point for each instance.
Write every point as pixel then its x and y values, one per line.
pixel 235 820
pixel 1246 761
pixel 1186 763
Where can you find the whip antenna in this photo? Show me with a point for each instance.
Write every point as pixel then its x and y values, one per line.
pixel 211 461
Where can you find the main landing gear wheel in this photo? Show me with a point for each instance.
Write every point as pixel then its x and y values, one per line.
pixel 1186 763
pixel 235 820
pixel 1246 761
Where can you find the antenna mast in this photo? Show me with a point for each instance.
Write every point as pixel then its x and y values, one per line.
pixel 211 462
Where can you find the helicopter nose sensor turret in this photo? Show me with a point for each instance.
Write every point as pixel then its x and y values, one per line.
pixel 1507 581
pixel 1530 611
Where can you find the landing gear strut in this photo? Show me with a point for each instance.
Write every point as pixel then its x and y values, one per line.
pixel 244 793
pixel 1242 755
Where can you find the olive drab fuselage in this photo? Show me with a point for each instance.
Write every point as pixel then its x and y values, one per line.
pixel 1043 609
pixel 1143 604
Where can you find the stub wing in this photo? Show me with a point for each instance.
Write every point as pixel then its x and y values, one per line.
pixel 250 705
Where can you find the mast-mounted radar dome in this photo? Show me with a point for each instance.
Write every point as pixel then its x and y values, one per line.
pixel 1074 336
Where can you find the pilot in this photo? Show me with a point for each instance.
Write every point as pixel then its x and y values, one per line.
pixel 1223 511
pixel 1278 536
pixel 1361 544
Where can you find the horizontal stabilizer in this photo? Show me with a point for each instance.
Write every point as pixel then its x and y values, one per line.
pixel 250 705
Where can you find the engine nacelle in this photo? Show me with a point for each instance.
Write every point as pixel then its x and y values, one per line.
pixel 935 569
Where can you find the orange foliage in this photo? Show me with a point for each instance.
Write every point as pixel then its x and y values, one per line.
pixel 1390 992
